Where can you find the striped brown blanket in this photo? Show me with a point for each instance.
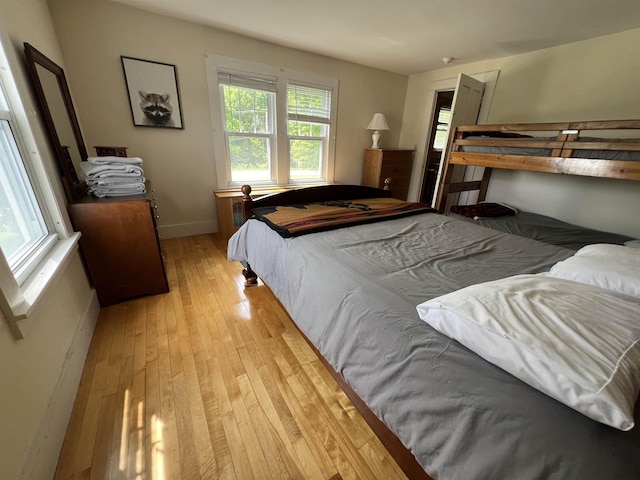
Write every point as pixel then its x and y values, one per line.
pixel 294 220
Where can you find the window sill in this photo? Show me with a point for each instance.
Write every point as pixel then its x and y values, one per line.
pixel 18 311
pixel 235 191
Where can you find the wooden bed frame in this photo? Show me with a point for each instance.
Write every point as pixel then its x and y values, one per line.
pixel 562 159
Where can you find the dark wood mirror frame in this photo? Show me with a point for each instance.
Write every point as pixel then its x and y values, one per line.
pixel 74 186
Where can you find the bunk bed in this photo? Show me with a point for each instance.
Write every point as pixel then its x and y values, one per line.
pixel 539 147
pixel 441 409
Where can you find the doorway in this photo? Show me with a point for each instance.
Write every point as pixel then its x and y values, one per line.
pixel 472 97
pixel 436 144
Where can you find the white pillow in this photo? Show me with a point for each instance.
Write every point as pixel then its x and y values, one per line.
pixel 613 267
pixel 614 253
pixel 552 334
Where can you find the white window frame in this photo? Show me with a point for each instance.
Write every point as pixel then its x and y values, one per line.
pixel 326 143
pixel 19 294
pixel 272 136
pixel 280 165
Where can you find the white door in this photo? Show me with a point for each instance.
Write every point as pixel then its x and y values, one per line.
pixel 464 111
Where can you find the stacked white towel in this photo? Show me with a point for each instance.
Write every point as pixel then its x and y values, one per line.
pixel 114 176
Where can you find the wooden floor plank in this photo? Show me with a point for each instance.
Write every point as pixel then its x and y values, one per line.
pixel 102 449
pixel 212 380
pixel 166 428
pixel 120 427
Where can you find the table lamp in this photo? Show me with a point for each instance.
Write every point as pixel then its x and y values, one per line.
pixel 377 123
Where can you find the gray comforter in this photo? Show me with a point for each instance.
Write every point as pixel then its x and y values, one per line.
pixel 353 292
pixel 547 229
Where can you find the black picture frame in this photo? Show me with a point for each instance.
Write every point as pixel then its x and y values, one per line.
pixel 152 89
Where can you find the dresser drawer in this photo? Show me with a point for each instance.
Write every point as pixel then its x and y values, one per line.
pixel 395 171
pixel 120 246
pixel 400 157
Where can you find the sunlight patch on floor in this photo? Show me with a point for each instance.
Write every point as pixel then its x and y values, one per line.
pixel 138 433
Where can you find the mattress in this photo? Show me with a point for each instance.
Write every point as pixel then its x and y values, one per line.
pixel 353 292
pixel 547 229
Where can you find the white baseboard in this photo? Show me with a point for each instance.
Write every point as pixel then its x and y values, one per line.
pixel 45 450
pixel 187 229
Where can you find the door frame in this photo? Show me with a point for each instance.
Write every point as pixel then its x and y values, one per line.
pixel 490 79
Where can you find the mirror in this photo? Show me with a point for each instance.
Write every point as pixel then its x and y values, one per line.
pixel 52 91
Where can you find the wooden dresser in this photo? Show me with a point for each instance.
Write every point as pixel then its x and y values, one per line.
pixel 120 246
pixel 381 163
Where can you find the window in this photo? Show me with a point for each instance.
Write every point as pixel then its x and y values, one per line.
pixel 249 125
pixel 23 229
pixel 34 238
pixel 272 126
pixel 442 127
pixel 308 125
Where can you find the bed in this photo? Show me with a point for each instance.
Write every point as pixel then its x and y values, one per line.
pixel 572 148
pixel 353 292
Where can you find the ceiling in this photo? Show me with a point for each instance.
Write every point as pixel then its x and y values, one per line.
pixel 408 36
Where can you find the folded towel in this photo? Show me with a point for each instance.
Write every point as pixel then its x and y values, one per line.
pixel 90 170
pixel 115 180
pixel 126 186
pixel 115 194
pixel 118 190
pixel 117 160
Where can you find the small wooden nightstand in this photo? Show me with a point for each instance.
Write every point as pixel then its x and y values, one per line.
pixel 229 208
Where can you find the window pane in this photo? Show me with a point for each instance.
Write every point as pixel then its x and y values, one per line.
pixel 249 158
pixel 444 115
pixel 246 110
pixel 444 118
pixel 306 158
pixel 440 138
pixel 22 225
pixel 307 129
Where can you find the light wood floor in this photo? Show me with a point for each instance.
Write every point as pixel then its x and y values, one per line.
pixel 212 381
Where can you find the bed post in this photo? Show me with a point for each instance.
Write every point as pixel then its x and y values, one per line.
pixel 251 278
pixel 247 202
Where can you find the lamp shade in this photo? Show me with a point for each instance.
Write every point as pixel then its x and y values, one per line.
pixel 378 122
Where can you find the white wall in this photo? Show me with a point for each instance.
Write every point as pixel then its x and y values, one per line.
pixel 180 163
pixel 595 79
pixel 39 375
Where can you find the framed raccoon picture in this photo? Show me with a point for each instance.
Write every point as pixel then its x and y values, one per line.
pixel 153 93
